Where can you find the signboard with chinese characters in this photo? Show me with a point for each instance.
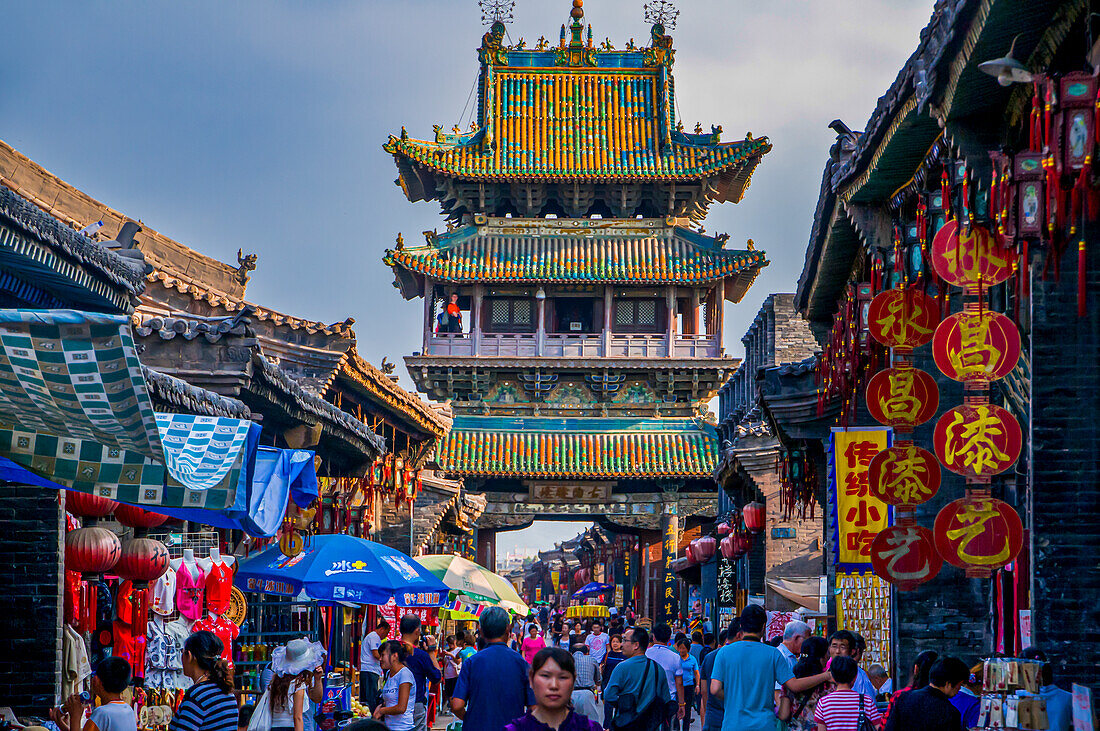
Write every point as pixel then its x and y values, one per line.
pixel 668 607
pixel 863 606
pixel 858 515
pixel 570 492
pixel 727 583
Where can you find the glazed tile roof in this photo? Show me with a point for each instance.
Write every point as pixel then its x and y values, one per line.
pixel 594 447
pixel 671 255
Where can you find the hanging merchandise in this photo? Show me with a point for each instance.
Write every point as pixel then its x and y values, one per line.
pixel 798 485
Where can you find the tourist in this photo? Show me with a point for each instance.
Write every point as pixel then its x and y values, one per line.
pixel 1059 702
pixel 613 657
pixel 532 643
pixel 208 705
pixel 423 664
pixel 845 709
pixel 586 681
pixel 469 648
pixel 863 682
pixel 597 642
pixel 929 708
pixel 396 708
pixel 710 708
pixel 918 678
pixel 968 700
pixel 493 686
pixel 696 646
pixel 880 679
pixel 690 665
pixel 297 668
pixel 451 665
pixel 369 670
pixel 110 679
pixel 637 697
pixel 815 652
pixel 670 662
pixel 745 674
pixel 244 716
pixel 794 634
pixel 552 676
pixel 708 647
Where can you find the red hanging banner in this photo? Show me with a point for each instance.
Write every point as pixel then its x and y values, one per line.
pixel 905 555
pixel 977 441
pixel 976 346
pixel 902 396
pixel 904 475
pixel 978 533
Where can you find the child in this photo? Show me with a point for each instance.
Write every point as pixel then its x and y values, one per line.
pixel 110 679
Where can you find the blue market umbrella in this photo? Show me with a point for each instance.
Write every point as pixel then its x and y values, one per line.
pixel 343 568
pixel 592 588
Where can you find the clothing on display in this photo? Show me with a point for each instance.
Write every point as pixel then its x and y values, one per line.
pixel 164 655
pixel 75 665
pixel 190 587
pixel 224 629
pixel 219 586
pixel 164 593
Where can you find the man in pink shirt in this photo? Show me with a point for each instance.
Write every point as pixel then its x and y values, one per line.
pixel 532 643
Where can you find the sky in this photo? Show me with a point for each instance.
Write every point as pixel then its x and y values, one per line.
pixel 259 124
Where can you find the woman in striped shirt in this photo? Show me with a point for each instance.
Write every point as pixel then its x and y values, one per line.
pixel 208 705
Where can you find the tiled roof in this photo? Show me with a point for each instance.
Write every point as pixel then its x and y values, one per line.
pixel 596 447
pixel 179 395
pixel 385 390
pixel 668 256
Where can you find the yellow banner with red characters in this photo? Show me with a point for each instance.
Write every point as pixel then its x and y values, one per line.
pixel 858 516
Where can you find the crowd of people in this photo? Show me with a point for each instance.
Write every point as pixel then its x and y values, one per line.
pixel 522 676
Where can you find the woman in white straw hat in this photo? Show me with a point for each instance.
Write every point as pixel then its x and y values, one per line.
pixel 298 666
pixel 396 708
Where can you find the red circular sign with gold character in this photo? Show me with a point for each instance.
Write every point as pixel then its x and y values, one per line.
pixel 978 532
pixel 969 256
pixel 976 346
pixel 903 317
pixel 904 475
pixel 905 555
pixel 902 397
pixel 977 441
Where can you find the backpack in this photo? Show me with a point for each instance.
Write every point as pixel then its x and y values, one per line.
pixel 628 717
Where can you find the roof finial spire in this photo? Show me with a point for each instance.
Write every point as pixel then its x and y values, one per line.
pixel 496 11
pixel 578 10
pixel 662 13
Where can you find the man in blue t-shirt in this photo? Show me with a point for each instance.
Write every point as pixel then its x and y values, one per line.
pixel 424 667
pixel 492 689
pixel 746 673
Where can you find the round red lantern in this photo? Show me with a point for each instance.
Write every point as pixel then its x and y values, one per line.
pixel 754 516
pixel 905 555
pixel 969 256
pixel 742 543
pixel 135 517
pixel 689 553
pixel 904 475
pixel 726 547
pixel 903 318
pixel 978 534
pixel 902 397
pixel 977 441
pixel 724 529
pixel 976 346
pixel 91 551
pixel 705 548
pixel 143 560
pixel 87 505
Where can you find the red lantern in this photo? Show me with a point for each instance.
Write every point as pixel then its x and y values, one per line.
pixel 904 475
pixel 902 396
pixel 91 551
pixel 136 517
pixel 142 561
pixel 705 548
pixel 724 529
pixel 755 516
pixel 905 555
pixel 726 547
pixel 87 505
pixel 978 534
pixel 977 441
pixel 689 553
pixel 976 347
pixel 903 318
pixel 741 542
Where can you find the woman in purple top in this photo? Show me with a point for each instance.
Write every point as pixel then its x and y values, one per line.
pixel 552 677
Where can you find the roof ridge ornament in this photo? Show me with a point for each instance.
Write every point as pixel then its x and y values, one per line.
pixel 663 13
pixel 497 11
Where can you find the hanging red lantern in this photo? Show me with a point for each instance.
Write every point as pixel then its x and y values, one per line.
pixel 87 505
pixel 143 560
pixel 902 397
pixel 689 553
pixel 724 529
pixel 705 548
pixel 978 534
pixel 977 441
pixel 91 551
pixel 969 257
pixel 904 475
pixel 741 541
pixel 755 516
pixel 135 517
pixel 905 555
pixel 976 347
pixel 903 317
pixel 726 547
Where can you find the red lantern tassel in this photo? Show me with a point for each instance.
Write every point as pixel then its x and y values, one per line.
pixel 141 611
pixel 1035 142
pixel 88 608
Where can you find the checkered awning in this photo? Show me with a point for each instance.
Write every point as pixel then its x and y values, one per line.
pixel 74 408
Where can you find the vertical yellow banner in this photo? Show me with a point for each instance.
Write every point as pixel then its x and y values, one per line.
pixel 859 515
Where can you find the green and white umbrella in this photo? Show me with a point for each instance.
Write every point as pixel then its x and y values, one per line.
pixel 473 583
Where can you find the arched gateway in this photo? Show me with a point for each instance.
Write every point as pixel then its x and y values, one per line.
pixel 572 315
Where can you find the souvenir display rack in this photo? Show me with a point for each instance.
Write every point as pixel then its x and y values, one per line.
pixel 1002 706
pixel 270 621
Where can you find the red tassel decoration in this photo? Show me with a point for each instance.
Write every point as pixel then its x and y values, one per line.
pixel 945 193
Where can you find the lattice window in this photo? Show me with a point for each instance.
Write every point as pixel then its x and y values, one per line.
pixel 508 315
pixel 638 315
pixel 624 312
pixel 521 312
pixel 501 312
pixel 647 312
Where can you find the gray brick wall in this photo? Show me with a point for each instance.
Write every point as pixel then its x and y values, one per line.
pixel 31 561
